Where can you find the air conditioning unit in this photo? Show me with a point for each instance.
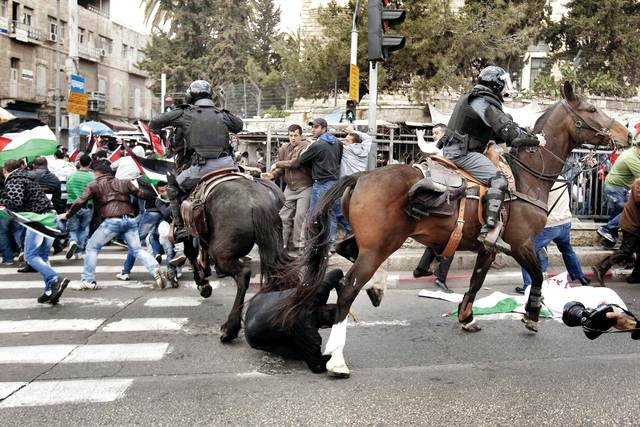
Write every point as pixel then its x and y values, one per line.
pixel 103 52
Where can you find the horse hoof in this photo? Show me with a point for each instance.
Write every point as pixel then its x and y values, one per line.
pixel 340 371
pixel 226 338
pixel 205 290
pixel 471 326
pixel 375 295
pixel 530 324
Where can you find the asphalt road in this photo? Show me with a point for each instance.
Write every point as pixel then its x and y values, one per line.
pixel 412 367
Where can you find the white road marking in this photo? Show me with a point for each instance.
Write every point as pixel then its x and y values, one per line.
pixel 364 324
pixel 147 324
pixel 252 374
pixel 100 353
pixel 39 284
pixel 49 325
pixel 29 303
pixel 7 388
pixel 43 393
pixel 174 302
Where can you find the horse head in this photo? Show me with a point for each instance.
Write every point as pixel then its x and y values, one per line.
pixel 590 125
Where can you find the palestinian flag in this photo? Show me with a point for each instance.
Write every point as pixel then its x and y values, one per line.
pixel 43 224
pixel 154 139
pixel 25 138
pixel 116 155
pixel 153 170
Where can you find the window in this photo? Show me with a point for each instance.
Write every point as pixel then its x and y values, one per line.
pixel 4 8
pixel 82 36
pixel 102 85
pixel 116 95
pixel 15 63
pixel 41 80
pixel 90 38
pixel 27 16
pixel 106 44
pixel 537 64
pixel 125 50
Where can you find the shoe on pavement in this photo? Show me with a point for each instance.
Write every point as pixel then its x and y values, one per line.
pixel 84 286
pixel 418 272
pixel 159 259
pixel 44 298
pixel 602 232
pixel 172 279
pixel 584 281
pixel 26 268
pixel 57 290
pixel 178 261
pixel 632 278
pixel 160 278
pixel 21 257
pixel 122 276
pixel 73 246
pixel 443 286
pixel 598 275
pixel 521 289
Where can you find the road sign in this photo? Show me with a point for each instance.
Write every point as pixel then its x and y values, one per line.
pixel 77 84
pixel 354 82
pixel 77 103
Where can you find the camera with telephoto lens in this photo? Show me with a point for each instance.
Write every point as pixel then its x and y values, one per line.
pixel 594 321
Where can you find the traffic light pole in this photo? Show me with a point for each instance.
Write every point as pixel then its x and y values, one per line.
pixel 373 101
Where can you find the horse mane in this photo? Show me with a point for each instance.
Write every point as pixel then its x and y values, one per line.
pixel 537 128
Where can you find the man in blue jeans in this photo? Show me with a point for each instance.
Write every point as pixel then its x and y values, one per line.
pixel 111 198
pixel 78 226
pixel 22 194
pixel 625 170
pixel 10 232
pixel 557 230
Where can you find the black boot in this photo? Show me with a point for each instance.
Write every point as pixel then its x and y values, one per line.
pixel 179 232
pixel 493 200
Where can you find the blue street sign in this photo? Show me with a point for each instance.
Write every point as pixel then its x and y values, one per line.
pixel 77 84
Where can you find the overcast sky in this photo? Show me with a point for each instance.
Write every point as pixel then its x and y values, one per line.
pixel 130 13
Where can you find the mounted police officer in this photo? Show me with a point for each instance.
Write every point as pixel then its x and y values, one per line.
pixel 201 144
pixel 477 119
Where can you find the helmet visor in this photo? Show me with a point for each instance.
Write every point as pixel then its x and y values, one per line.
pixel 508 87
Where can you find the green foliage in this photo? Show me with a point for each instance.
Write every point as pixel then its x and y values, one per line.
pixel 603 35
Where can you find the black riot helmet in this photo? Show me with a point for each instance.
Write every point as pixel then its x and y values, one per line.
pixel 197 90
pixel 496 79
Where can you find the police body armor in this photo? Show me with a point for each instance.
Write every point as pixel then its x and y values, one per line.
pixel 208 136
pixel 467 131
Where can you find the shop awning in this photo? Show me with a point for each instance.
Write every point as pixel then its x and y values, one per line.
pixel 117 125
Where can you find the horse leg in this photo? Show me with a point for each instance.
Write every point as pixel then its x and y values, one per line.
pixel 199 274
pixel 526 256
pixel 242 275
pixel 465 309
pixel 359 274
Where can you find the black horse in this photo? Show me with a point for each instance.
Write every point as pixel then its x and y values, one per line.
pixel 240 213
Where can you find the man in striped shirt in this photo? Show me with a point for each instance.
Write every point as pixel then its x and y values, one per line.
pixel 78 225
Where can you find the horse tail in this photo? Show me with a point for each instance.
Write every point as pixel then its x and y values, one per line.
pixel 314 258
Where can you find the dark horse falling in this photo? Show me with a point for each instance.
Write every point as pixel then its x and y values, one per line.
pixel 374 203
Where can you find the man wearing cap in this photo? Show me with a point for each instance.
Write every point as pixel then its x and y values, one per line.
pixel 323 156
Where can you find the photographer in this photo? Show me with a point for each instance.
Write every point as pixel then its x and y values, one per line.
pixel 597 321
pixel 625 322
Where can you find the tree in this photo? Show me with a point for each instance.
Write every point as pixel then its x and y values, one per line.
pixel 600 39
pixel 263 26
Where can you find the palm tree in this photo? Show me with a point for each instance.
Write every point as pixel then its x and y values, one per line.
pixel 158 11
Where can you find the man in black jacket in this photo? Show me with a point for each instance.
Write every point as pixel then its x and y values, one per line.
pixel 201 144
pixel 22 194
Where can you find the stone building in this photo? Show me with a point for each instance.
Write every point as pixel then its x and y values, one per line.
pixel 108 54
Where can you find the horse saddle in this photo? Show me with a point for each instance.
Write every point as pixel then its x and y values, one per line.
pixel 437 192
pixel 193 207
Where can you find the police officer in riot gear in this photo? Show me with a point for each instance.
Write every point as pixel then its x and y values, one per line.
pixel 477 119
pixel 201 144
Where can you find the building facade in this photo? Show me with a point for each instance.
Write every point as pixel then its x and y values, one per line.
pixel 108 56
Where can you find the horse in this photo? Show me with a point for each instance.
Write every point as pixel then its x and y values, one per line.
pixel 374 203
pixel 239 214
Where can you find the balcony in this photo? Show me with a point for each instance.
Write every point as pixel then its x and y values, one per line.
pixel 97 102
pixel 134 69
pixel 26 33
pixel 91 53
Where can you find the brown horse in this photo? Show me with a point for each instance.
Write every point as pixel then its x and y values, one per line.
pixel 374 203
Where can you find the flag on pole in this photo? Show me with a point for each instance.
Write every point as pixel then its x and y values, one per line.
pixel 153 170
pixel 154 139
pixel 43 224
pixel 116 155
pixel 25 138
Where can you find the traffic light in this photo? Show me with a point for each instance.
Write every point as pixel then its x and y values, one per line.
pixel 381 19
pixel 351 111
pixel 168 104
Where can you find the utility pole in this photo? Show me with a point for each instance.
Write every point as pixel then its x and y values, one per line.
pixel 57 95
pixel 373 101
pixel 72 65
pixel 163 91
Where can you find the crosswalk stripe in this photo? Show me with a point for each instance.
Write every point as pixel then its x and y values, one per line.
pixel 49 325
pixel 31 303
pixel 173 302
pixel 42 393
pixel 39 284
pixel 67 269
pixel 94 353
pixel 7 388
pixel 147 324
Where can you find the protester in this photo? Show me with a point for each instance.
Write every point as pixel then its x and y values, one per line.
pixel 111 198
pixel 630 226
pixel 429 148
pixel 297 192
pixel 22 194
pixel 126 167
pixel 78 225
pixel 624 172
pixel 557 230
